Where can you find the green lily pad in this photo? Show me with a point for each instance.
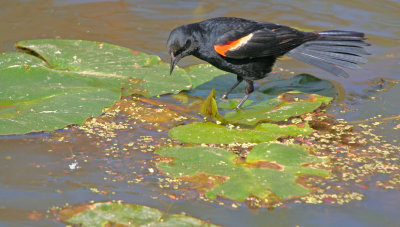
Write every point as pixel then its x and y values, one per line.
pixel 119 214
pixel 291 160
pixel 278 109
pixel 136 72
pixel 212 133
pixel 232 103
pixel 55 83
pixel 34 97
pixel 199 74
pixel 288 130
pixel 271 171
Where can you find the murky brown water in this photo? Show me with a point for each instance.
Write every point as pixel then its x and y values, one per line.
pixel 35 170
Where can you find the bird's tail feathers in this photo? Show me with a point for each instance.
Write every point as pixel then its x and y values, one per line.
pixel 333 50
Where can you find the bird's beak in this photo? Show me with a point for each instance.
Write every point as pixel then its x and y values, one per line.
pixel 173 63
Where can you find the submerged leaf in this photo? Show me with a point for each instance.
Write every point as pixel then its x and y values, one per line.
pixel 118 214
pixel 305 83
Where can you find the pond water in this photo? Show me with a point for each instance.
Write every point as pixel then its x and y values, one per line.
pixel 43 170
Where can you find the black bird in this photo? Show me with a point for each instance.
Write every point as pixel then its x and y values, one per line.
pixel 249 48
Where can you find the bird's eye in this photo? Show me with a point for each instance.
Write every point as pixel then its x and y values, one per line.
pixel 187 44
pixel 185 47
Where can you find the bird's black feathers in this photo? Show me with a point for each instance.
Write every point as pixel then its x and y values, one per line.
pixel 334 49
pixel 265 42
pixel 249 48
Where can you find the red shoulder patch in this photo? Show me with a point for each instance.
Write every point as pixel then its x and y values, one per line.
pixel 232 45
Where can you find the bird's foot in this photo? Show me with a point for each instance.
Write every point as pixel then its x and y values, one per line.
pixel 242 102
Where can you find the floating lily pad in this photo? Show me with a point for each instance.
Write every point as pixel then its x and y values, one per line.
pixel 55 83
pixel 289 130
pixel 118 214
pixel 199 74
pixel 34 97
pixel 232 103
pixel 218 134
pixel 136 72
pixel 271 171
pixel 278 109
pixel 212 133
pixel 289 160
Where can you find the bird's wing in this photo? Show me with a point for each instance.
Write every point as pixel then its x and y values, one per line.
pixel 261 42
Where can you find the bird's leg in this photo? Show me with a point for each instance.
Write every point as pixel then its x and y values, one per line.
pixel 249 89
pixel 239 80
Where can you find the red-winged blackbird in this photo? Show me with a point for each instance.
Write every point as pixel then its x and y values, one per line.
pixel 249 48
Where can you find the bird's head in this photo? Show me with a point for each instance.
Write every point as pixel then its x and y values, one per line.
pixel 180 44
